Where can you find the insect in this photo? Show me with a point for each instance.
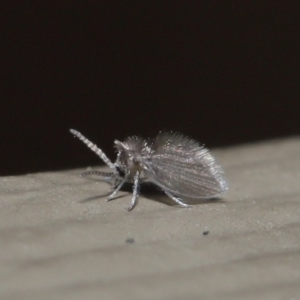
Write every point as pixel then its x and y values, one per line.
pixel 179 165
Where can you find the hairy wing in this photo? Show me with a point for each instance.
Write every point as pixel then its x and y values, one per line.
pixel 183 167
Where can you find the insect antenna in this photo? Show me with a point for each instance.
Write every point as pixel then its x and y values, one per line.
pixel 98 173
pixel 93 147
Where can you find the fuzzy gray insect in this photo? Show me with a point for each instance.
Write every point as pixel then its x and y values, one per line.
pixel 177 164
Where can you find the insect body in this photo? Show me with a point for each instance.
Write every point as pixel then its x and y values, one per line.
pixel 177 164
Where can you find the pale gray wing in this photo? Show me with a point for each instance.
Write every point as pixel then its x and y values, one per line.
pixel 183 167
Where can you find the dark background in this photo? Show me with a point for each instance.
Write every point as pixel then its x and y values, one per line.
pixel 222 72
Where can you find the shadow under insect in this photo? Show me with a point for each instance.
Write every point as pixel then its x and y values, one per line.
pixel 152 192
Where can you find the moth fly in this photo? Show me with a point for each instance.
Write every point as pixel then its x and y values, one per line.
pixel 179 165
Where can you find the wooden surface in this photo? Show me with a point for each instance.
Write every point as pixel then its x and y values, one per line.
pixel 58 243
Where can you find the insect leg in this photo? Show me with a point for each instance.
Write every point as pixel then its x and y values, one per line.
pixel 93 147
pixel 135 191
pixel 112 195
pixel 177 200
